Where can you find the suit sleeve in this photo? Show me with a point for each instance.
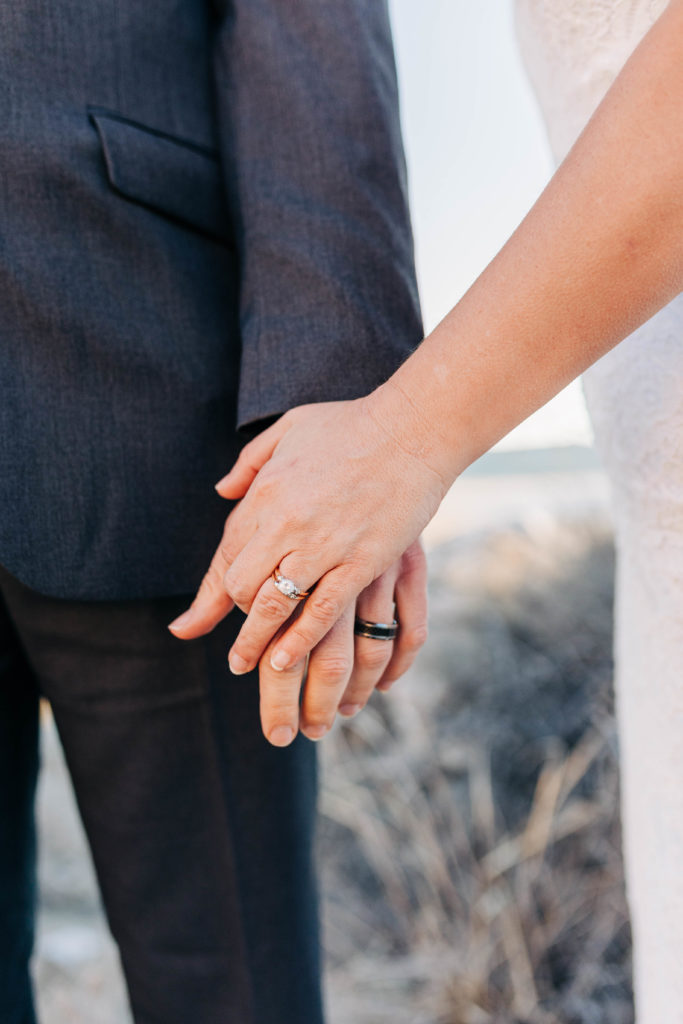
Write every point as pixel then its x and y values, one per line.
pixel 311 147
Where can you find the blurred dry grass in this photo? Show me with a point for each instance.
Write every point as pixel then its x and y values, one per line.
pixel 470 839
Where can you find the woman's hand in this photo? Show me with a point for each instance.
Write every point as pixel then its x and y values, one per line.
pixel 320 500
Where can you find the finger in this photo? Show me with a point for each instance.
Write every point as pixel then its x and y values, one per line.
pixel 278 546
pixel 268 612
pixel 279 693
pixel 237 482
pixel 411 611
pixel 329 668
pixel 333 593
pixel 267 608
pixel 212 602
pixel 371 656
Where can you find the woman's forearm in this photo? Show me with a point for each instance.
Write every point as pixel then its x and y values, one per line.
pixel 599 253
pixel 333 494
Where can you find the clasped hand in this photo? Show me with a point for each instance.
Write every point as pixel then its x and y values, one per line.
pixel 331 496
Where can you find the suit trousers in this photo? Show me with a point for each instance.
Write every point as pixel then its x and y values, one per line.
pixel 201 832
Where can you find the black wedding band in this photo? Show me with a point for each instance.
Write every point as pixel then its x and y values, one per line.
pixel 375 630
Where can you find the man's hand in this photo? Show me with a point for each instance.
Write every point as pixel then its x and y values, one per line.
pixel 344 669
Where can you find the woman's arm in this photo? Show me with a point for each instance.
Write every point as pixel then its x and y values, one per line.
pixel 335 492
pixel 599 253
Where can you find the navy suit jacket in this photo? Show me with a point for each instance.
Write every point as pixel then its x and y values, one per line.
pixel 203 222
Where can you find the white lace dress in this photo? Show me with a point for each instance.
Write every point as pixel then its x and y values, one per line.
pixel 572 50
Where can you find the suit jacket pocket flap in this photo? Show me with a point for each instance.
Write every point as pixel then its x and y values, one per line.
pixel 173 176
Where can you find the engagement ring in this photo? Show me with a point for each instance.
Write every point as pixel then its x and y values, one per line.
pixel 288 587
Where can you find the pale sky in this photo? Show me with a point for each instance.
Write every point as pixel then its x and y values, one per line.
pixel 477 160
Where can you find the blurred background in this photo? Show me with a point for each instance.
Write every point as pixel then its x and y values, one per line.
pixel 470 835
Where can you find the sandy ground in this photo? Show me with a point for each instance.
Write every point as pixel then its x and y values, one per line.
pixel 469 839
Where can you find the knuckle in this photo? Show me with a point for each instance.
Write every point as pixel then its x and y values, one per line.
pixel 374 657
pixel 226 554
pixel 415 638
pixel 289 520
pixel 281 710
pixel 325 609
pixel 414 557
pixel 237 590
pixel 281 697
pixel 270 607
pixel 265 487
pixel 300 638
pixel 332 669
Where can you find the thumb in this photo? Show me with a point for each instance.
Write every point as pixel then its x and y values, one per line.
pixel 253 456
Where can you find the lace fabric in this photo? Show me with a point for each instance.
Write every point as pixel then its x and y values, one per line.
pixel 573 50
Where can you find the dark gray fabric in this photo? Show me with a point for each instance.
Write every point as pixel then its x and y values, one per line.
pixel 201 832
pixel 203 222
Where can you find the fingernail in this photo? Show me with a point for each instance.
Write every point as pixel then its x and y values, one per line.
pixel 222 480
pixel 384 686
pixel 280 660
pixel 182 620
pixel 238 666
pixel 281 736
pixel 349 710
pixel 315 732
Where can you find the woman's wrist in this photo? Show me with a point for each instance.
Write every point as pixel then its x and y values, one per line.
pixel 413 419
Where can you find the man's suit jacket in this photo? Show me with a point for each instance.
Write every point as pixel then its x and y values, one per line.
pixel 203 222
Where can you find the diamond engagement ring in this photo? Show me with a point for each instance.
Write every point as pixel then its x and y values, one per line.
pixel 288 587
pixel 375 630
